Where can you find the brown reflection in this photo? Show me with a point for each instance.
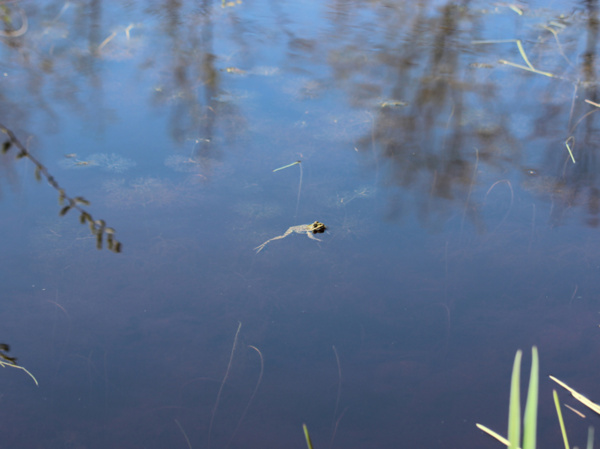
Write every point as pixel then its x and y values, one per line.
pixel 192 87
pixel 570 167
pixel 441 109
pixel 433 126
pixel 448 111
pixel 62 52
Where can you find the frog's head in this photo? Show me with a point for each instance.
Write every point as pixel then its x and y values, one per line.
pixel 317 227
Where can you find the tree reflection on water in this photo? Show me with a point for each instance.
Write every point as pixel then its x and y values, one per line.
pixel 429 101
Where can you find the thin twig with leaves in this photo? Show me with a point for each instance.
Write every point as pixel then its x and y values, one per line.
pixel 97 227
pixel 12 361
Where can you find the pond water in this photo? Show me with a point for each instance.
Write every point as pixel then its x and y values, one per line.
pixel 449 149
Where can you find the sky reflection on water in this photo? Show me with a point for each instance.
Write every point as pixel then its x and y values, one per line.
pixel 459 228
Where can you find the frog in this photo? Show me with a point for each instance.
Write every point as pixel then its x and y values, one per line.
pixel 309 229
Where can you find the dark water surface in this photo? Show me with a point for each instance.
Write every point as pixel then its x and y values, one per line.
pixel 459 227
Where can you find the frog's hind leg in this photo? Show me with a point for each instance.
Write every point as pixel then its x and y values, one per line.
pixel 259 248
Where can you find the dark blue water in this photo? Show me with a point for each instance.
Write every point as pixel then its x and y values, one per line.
pixel 459 229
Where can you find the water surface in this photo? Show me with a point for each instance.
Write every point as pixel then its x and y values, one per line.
pixel 455 172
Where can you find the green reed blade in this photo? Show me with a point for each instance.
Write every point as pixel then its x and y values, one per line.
pixel 561 422
pixel 307 436
pixel 530 419
pixel 514 407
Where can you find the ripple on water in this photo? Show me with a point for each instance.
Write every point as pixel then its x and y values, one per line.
pixel 109 162
pixel 113 162
pixel 149 191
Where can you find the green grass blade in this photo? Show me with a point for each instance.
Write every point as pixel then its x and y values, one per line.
pixel 572 140
pixel 530 419
pixel 493 434
pixel 523 55
pixel 560 419
pixel 581 398
pixel 514 408
pixel 287 166
pixel 307 436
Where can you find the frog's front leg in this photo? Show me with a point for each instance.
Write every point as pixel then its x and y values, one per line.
pixel 312 236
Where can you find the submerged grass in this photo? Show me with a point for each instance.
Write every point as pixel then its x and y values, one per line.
pixel 299 163
pixel 216 406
